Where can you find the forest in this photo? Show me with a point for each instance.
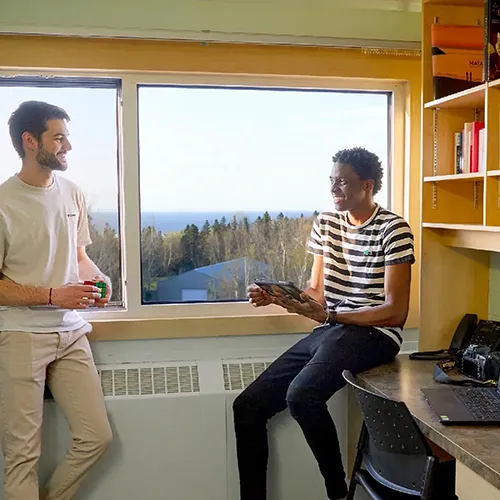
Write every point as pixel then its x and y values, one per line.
pixel 278 242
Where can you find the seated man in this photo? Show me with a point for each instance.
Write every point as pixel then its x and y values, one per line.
pixel 361 285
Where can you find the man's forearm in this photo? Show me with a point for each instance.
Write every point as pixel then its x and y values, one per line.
pixel 316 295
pixel 384 315
pixel 87 269
pixel 15 295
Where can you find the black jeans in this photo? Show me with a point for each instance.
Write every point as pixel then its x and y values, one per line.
pixel 303 379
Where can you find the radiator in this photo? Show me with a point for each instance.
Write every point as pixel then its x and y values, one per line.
pixel 174 436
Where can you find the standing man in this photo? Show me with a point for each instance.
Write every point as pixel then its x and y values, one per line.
pixel 43 263
pixel 359 296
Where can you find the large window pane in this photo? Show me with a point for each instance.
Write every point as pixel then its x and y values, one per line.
pixel 232 178
pixel 93 162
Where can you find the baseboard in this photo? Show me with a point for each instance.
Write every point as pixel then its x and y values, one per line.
pixel 409 346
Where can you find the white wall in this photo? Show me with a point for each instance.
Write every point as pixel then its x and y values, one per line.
pixel 258 346
pixel 326 21
pixel 182 447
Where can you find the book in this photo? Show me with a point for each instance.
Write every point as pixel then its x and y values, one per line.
pixel 469 148
pixel 491 40
pixel 466 148
pixel 482 150
pixel 457 58
pixel 458 166
pixel 474 151
pixel 459 37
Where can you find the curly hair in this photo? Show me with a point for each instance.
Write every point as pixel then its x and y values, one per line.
pixel 367 165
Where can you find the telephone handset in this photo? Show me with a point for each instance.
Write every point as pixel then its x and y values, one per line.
pixel 463 333
pixel 468 332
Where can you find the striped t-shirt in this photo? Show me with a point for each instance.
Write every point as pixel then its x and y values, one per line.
pixel 355 258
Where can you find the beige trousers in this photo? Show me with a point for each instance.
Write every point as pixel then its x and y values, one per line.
pixel 65 360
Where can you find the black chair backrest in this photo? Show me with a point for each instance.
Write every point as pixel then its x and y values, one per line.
pixel 395 452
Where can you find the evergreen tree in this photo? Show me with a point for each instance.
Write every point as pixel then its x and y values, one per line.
pixel 191 247
pixel 246 225
pixel 205 230
pixel 278 243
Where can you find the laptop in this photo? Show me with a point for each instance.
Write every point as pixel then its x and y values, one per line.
pixel 465 405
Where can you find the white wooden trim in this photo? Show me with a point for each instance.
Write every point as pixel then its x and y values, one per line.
pixel 129 177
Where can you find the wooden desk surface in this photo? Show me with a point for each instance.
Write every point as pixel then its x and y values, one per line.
pixel 477 447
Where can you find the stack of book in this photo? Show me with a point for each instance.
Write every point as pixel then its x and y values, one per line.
pixel 466 56
pixel 469 154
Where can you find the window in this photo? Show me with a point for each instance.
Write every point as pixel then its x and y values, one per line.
pixel 93 162
pixel 220 183
pixel 232 178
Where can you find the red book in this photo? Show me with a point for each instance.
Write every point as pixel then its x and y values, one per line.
pixel 474 160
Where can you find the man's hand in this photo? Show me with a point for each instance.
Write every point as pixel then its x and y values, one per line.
pixel 310 308
pixel 102 301
pixel 258 297
pixel 75 296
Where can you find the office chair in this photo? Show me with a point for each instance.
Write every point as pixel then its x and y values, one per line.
pixel 398 461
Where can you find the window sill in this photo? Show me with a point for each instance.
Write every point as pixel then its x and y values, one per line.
pixel 172 328
pixel 165 328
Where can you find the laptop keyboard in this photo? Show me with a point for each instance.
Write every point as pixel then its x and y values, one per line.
pixel 482 404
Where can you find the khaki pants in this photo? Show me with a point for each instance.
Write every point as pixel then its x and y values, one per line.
pixel 65 360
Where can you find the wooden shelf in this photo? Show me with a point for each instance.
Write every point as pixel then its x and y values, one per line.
pixel 461 3
pixel 494 84
pixel 456 243
pixel 468 236
pixel 471 98
pixel 455 177
pixel 460 227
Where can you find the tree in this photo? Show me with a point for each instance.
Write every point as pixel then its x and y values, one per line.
pixel 191 248
pixel 153 257
pixel 105 252
pixel 205 230
pixel 280 244
pixel 172 253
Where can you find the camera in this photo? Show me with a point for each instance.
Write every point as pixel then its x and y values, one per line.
pixel 479 362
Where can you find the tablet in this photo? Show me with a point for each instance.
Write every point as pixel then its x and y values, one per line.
pixel 286 287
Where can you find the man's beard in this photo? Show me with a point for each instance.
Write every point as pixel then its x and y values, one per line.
pixel 49 160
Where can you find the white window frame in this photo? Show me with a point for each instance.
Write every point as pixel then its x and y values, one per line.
pixel 129 209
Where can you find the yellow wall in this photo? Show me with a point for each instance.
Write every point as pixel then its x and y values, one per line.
pixel 146 55
pixel 161 56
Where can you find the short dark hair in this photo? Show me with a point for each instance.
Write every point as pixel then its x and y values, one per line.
pixel 367 165
pixel 32 117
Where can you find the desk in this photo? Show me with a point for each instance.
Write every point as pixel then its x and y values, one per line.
pixel 476 449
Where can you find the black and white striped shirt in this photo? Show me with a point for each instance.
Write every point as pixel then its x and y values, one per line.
pixel 355 258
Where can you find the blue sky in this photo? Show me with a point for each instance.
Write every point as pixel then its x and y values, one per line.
pixel 212 149
pixel 93 162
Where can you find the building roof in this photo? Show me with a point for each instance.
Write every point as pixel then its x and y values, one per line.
pixel 233 267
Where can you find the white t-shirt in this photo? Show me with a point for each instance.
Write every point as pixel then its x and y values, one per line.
pixel 40 230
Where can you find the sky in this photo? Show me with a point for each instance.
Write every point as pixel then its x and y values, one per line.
pixel 205 149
